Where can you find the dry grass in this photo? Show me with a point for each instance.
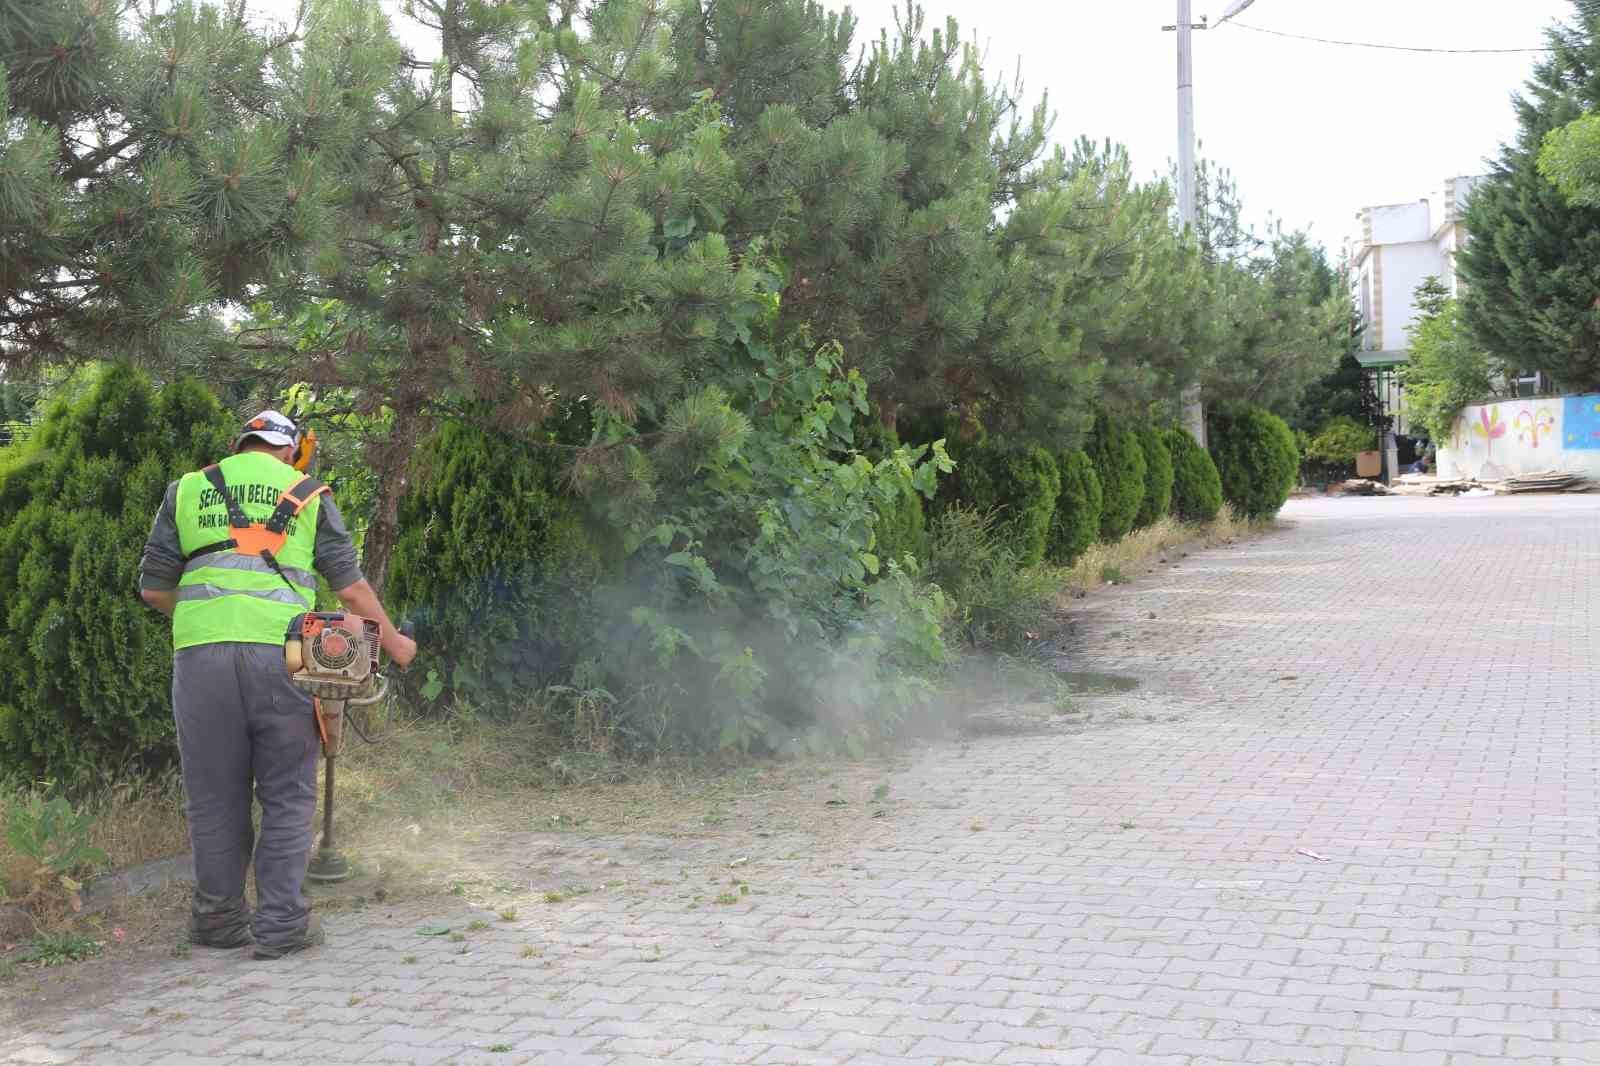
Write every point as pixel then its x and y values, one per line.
pixel 137 821
pixel 419 810
pixel 1133 553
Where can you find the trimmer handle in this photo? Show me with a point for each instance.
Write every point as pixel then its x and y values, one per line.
pixel 407 629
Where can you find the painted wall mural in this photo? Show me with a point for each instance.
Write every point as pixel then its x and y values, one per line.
pixel 1488 428
pixel 1581 422
pixel 1496 440
pixel 1533 423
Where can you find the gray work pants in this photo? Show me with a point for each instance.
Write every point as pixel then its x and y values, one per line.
pixel 241 721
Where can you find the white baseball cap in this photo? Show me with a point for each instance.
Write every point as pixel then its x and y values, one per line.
pixel 271 427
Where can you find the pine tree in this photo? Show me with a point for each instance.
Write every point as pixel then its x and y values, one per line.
pixel 1532 268
pixel 886 215
pixel 528 217
pixel 1285 322
pixel 151 170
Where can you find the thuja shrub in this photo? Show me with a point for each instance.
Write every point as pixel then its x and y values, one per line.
pixel 86 671
pixel 495 565
pixel 1158 475
pixel 1119 461
pixel 1018 486
pixel 1257 460
pixel 1196 487
pixel 1076 522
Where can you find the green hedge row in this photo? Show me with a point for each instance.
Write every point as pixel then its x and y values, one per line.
pixel 1053 507
pixel 497 560
pixel 494 565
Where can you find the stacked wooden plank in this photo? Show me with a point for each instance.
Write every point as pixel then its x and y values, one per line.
pixel 1426 485
pixel 1544 481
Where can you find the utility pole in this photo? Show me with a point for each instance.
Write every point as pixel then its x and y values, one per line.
pixel 1194 414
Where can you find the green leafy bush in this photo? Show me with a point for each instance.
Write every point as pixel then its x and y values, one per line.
pixel 1196 486
pixel 1256 459
pixel 1076 522
pixel 755 613
pixel 1330 454
pixel 86 673
pixel 1447 369
pixel 1119 461
pixel 1158 475
pixel 900 527
pixel 997 598
pixel 52 841
pixel 495 565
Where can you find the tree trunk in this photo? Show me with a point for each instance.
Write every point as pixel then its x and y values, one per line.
pixel 390 459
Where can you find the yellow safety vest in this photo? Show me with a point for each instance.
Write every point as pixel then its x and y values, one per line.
pixel 248 569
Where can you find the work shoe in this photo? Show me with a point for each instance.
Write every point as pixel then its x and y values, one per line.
pixel 279 948
pixel 218 921
pixel 236 936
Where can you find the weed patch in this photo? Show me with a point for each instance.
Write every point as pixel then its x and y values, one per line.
pixel 54 949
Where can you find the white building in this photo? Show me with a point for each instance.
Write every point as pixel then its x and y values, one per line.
pixel 1399 246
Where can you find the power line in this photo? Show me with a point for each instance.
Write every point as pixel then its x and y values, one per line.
pixel 1385 47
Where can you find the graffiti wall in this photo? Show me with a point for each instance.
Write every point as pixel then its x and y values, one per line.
pixel 1497 440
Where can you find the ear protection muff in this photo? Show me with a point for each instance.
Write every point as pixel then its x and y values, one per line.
pixel 305 449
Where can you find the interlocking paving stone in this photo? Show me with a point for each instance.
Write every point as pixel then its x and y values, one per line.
pixel 1405 688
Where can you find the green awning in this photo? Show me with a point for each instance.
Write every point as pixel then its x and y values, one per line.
pixel 1377 360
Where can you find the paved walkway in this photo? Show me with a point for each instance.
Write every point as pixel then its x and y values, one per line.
pixel 1349 817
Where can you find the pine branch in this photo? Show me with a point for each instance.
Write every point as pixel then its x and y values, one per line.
pixel 87 165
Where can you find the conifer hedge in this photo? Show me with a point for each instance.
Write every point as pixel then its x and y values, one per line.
pixel 1076 522
pixel 495 566
pixel 1157 500
pixel 1119 461
pixel 1020 487
pixel 899 528
pixel 1257 460
pixel 1196 488
pixel 86 667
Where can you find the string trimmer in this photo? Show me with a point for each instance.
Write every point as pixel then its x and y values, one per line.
pixel 333 656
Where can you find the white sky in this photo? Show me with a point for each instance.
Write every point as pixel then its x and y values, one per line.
pixel 1312 132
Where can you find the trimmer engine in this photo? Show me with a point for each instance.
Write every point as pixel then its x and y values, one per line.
pixel 333 655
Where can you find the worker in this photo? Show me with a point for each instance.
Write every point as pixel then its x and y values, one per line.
pixel 241 722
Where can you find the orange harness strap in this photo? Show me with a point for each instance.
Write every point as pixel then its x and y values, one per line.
pixel 264 539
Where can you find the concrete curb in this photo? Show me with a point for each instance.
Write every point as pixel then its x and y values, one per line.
pixel 147 877
pixel 100 892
